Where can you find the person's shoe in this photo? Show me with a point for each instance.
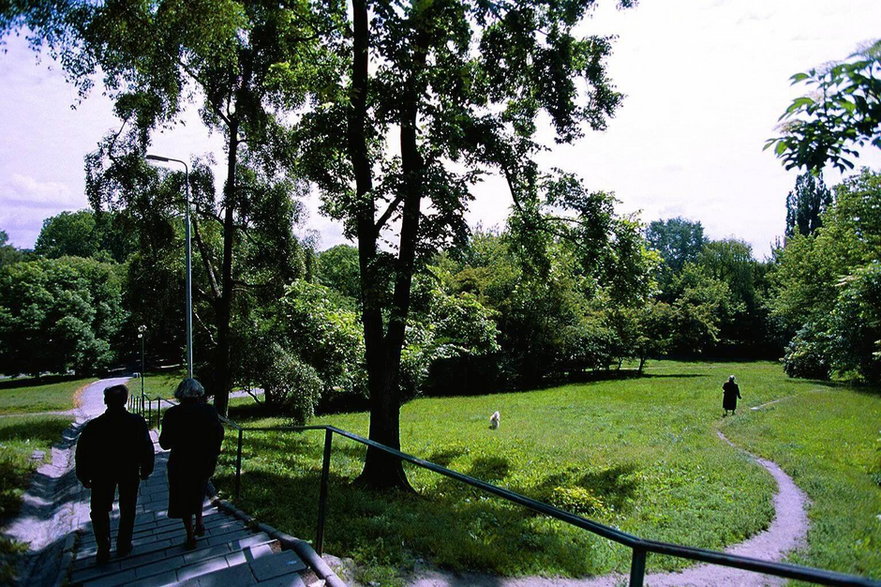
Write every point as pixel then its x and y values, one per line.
pixel 199 530
pixel 123 550
pixel 103 556
pixel 190 544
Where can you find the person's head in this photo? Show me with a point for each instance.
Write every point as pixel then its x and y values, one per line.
pixel 115 396
pixel 731 378
pixel 189 390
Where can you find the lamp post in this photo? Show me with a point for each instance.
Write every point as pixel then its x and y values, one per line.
pixel 141 330
pixel 189 257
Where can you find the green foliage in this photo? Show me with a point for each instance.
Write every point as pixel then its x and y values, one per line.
pixel 8 253
pixel 59 314
pixel 292 384
pixel 338 269
pixel 102 236
pixel 841 112
pixel 678 240
pixel 806 203
pixel 807 355
pixel 826 285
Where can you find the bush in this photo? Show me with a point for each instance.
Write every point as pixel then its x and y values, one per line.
pixel 292 385
pixel 806 356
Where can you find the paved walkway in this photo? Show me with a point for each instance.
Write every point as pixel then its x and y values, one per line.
pixel 230 552
pixel 54 520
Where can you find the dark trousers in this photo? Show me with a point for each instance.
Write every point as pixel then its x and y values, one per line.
pixel 102 503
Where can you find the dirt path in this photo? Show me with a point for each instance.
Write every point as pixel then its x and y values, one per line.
pixel 786 533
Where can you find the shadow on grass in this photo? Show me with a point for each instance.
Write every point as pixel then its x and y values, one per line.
pixel 395 529
pixel 453 525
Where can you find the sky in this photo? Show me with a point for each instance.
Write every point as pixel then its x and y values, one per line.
pixel 704 82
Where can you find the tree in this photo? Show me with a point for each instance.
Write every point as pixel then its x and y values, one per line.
pixel 8 253
pixel 242 60
pixel 68 234
pixel 678 240
pixel 338 269
pixel 826 286
pixel 460 83
pixel 85 234
pixel 59 314
pixel 806 204
pixel 842 111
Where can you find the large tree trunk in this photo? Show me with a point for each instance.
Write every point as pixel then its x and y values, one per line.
pixel 221 365
pixel 383 353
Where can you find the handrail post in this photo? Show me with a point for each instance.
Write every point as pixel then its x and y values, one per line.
pixel 239 465
pixel 322 496
pixel 637 567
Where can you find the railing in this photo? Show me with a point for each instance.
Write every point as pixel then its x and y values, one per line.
pixel 640 547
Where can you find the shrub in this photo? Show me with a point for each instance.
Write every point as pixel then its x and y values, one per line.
pixel 292 385
pixel 806 356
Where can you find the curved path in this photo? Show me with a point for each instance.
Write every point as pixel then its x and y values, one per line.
pixel 786 533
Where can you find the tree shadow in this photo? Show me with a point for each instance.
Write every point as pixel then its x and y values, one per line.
pixel 450 529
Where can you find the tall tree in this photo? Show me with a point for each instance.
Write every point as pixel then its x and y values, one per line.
pixel 462 84
pixel 679 240
pixel 806 203
pixel 238 58
pixel 840 112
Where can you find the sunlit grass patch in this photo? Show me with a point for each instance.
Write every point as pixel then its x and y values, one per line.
pixel 639 454
pixel 829 440
pixel 30 396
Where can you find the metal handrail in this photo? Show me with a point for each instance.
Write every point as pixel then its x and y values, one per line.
pixel 640 546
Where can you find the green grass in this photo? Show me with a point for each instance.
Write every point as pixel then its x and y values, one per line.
pixel 19 438
pixel 157 384
pixel 829 440
pixel 639 454
pixel 30 395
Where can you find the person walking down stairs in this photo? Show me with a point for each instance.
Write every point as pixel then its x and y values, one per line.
pixel 114 451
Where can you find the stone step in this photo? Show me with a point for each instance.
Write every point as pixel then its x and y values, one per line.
pixel 156 561
pixel 257 564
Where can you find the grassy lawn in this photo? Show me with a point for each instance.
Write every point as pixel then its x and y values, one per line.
pixel 30 395
pixel 639 454
pixel 829 440
pixel 19 438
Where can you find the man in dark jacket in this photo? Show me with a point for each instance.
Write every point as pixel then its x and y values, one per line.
pixel 114 450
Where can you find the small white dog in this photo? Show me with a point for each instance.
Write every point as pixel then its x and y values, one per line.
pixel 494 420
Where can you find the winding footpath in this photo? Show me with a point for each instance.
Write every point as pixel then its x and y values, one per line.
pixel 786 533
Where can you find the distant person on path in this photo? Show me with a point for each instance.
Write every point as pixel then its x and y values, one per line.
pixel 730 395
pixel 114 450
pixel 194 434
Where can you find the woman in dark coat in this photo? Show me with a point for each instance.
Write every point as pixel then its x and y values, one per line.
pixel 731 393
pixel 194 434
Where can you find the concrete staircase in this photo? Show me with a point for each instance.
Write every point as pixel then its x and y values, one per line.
pixel 230 553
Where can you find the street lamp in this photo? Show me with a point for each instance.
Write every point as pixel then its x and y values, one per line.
pixel 141 330
pixel 189 255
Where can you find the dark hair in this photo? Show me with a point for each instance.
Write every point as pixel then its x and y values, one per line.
pixel 115 395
